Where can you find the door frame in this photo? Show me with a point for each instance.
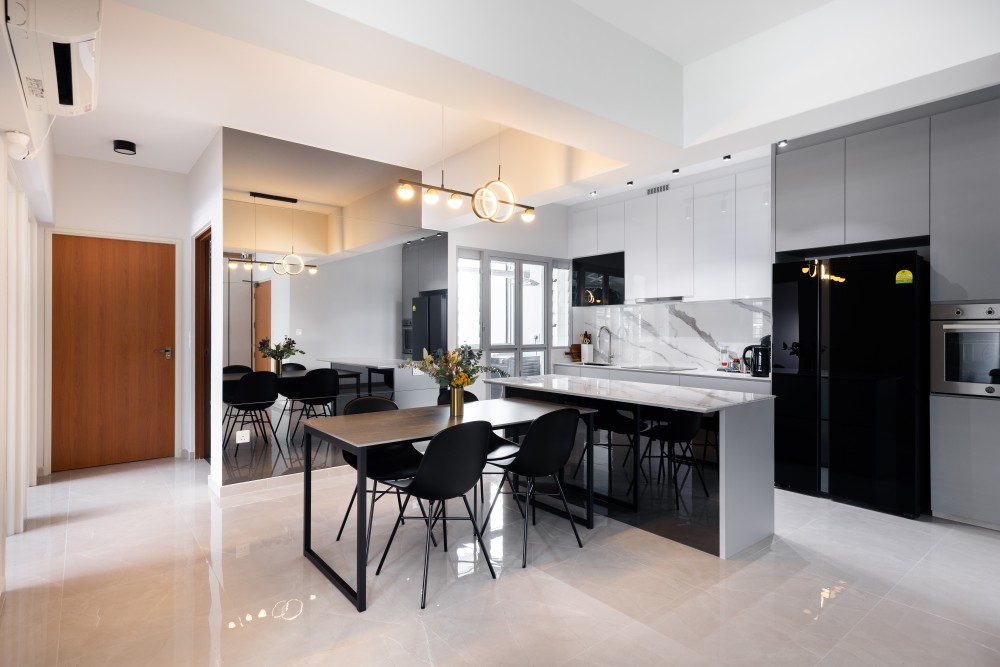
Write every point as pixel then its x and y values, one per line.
pixel 181 345
pixel 202 373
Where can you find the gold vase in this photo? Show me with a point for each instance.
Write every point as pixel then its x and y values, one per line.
pixel 457 401
pixel 277 366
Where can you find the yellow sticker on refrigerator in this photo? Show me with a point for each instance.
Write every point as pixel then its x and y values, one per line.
pixel 904 277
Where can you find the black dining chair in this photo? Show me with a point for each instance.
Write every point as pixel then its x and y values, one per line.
pixel 292 366
pixel 251 399
pixel 389 463
pixel 320 387
pixel 674 434
pixel 452 464
pixel 544 452
pixel 613 421
pixel 499 447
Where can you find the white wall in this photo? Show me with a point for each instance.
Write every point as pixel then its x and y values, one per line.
pixel 203 210
pixel 350 308
pixel 99 198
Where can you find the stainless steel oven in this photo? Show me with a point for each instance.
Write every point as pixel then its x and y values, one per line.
pixel 407 336
pixel 965 349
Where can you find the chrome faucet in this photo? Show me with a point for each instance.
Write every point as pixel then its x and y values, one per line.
pixel 611 357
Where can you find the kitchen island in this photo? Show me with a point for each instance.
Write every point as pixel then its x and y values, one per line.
pixel 746 441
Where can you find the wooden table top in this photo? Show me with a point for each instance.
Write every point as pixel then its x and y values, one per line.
pixel 411 424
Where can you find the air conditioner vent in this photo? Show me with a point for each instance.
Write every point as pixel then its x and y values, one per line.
pixel 658 188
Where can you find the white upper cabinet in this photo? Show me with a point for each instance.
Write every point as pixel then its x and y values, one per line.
pixel 675 241
pixel 583 233
pixel 611 228
pixel 753 234
pixel 809 211
pixel 715 239
pixel 640 248
pixel 888 183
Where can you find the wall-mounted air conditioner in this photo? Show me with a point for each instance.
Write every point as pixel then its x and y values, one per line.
pixel 55 47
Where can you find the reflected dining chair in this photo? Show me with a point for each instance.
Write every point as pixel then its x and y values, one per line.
pixel 451 466
pixel 320 387
pixel 544 452
pixel 229 387
pixel 389 463
pixel 291 389
pixel 251 399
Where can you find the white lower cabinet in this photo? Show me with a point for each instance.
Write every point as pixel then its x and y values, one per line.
pixel 566 369
pixel 965 459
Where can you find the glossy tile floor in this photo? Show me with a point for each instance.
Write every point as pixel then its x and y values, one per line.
pixel 137 565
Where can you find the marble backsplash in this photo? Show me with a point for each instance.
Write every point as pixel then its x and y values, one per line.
pixel 675 334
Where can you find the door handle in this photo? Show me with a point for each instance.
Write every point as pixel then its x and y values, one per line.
pixel 167 352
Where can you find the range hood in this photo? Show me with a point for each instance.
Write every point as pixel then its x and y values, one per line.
pixel 659 299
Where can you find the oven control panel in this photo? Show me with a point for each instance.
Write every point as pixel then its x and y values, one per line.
pixel 965 311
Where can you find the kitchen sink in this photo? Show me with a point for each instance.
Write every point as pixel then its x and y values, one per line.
pixel 595 363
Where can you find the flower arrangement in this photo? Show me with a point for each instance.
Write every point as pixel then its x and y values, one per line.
pixel 455 368
pixel 281 351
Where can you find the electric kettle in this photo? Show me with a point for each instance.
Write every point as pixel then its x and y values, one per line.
pixel 758 361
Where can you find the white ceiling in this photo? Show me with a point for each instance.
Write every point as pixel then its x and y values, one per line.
pixel 640 87
pixel 687 31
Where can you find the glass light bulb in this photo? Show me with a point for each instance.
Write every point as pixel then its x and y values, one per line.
pixel 455 201
pixel 431 196
pixel 405 191
pixel 248 265
pixel 233 264
pixel 262 266
pixel 528 215
pixel 313 270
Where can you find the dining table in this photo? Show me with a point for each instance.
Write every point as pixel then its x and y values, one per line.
pixel 366 432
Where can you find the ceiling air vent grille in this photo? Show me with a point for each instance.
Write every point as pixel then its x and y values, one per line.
pixel 658 188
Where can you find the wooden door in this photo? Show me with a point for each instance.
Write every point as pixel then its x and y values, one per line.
pixel 112 383
pixel 261 322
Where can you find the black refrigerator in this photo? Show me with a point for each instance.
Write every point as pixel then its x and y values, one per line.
pixel 430 322
pixel 849 369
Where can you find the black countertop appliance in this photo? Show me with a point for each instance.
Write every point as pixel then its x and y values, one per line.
pixel 849 369
pixel 430 322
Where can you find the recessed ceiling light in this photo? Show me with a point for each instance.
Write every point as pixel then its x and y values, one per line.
pixel 593 193
pixel 676 171
pixel 124 147
pixel 782 143
pixel 727 158
pixel 630 184
pixel 438 234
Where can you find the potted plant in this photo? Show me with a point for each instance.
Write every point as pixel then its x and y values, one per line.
pixel 279 352
pixel 457 369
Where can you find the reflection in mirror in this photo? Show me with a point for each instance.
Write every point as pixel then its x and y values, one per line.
pixel 344 219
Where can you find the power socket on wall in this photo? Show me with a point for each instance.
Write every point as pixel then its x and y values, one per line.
pixel 242 437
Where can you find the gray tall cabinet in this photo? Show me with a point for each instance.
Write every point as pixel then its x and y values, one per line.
pixel 425 268
pixel 965 203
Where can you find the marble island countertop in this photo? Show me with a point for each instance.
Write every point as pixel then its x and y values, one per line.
pixel 641 393
pixel 664 368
